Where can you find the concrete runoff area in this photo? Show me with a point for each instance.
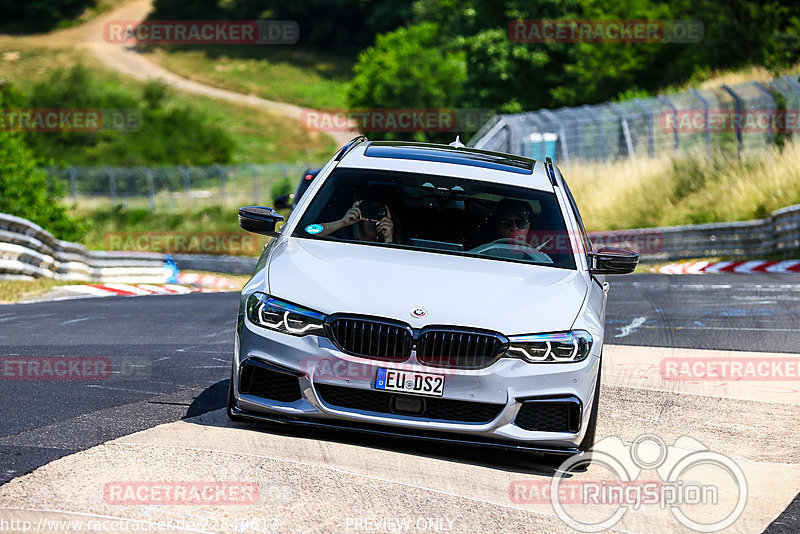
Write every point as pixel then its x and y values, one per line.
pixel 323 481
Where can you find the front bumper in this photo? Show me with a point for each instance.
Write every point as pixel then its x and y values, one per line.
pixel 507 385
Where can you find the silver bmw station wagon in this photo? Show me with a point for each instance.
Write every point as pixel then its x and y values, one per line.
pixel 431 292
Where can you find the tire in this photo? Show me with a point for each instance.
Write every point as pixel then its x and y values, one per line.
pixel 232 401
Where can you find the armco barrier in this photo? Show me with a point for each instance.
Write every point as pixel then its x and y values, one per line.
pixel 779 233
pixel 28 251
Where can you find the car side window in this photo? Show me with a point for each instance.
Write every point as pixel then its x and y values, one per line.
pixel 587 243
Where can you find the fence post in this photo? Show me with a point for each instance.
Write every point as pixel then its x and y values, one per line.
pixel 600 139
pixel 255 184
pixel 651 141
pixel 737 101
pixel 112 184
pixel 768 96
pixel 221 175
pixel 671 106
pixel 707 127
pixel 151 202
pixel 73 181
pixel 187 183
pixel 626 131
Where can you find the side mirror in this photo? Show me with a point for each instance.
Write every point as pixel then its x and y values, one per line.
pixel 259 220
pixel 282 202
pixel 610 260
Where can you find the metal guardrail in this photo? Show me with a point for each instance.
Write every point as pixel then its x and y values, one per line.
pixel 779 233
pixel 29 251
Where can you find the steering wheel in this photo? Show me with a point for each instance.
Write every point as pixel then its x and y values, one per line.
pixel 505 244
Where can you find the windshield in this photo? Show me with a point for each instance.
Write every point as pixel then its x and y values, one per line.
pixel 439 214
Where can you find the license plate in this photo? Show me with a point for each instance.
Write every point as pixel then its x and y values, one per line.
pixel 410 382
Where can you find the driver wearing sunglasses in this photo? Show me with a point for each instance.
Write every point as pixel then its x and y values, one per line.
pixel 513 219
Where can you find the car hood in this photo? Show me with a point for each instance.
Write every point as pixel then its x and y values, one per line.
pixel 511 298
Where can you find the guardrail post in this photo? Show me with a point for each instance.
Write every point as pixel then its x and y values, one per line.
pixel 73 181
pixel 738 103
pixel 671 106
pixel 768 96
pixel 707 127
pixel 151 202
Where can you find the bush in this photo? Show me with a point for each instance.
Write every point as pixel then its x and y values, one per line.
pixel 24 190
pixel 170 133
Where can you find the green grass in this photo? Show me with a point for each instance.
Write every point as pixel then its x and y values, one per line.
pixel 16 290
pixel 286 75
pixel 260 136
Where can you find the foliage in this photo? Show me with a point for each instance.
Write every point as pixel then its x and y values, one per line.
pixel 168 134
pixel 406 70
pixel 39 15
pixel 24 190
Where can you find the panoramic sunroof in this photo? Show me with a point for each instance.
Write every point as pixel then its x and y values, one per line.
pixel 446 154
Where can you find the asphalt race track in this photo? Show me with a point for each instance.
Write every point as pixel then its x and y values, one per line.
pixel 156 417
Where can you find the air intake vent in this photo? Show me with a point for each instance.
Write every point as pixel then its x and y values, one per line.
pixel 550 415
pixel 267 383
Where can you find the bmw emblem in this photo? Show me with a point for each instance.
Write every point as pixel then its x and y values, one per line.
pixel 418 313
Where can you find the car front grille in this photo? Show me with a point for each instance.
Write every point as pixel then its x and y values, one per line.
pixel 381 402
pixel 267 383
pixel 459 349
pixel 371 339
pixel 551 415
pixel 440 346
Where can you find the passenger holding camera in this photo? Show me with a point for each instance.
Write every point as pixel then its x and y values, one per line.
pixel 371 221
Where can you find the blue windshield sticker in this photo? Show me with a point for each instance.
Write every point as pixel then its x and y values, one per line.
pixel 314 228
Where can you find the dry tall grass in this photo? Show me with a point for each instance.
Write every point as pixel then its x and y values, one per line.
pixel 688 189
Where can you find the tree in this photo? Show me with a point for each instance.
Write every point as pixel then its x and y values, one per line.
pixel 406 69
pixel 24 190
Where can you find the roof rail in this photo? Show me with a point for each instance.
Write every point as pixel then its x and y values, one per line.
pixel 350 145
pixel 551 173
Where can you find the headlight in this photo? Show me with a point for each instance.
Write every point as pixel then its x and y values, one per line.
pixel 551 348
pixel 269 312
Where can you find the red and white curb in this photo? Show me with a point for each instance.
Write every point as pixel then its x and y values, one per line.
pixel 187 283
pixel 130 290
pixel 739 267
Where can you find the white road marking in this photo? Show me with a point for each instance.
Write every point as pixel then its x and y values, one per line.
pixel 123 389
pixel 75 321
pixel 630 328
